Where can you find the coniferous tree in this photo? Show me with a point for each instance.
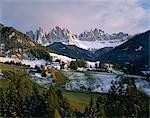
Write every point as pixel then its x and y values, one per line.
pixel 73 65
pixel 114 106
pixel 2 103
pixel 52 101
pixel 19 88
pixel 43 73
pixel 133 100
pixel 35 91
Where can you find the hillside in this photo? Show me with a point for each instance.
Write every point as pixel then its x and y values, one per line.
pixel 135 51
pixel 78 53
pixel 71 51
pixel 14 43
pixel 100 52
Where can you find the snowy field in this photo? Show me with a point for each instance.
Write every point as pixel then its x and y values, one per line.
pixel 32 63
pixel 61 57
pixel 98 82
pixel 68 59
pixel 42 82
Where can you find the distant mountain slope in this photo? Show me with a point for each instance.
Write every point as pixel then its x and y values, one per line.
pixel 71 51
pixel 76 52
pixel 97 55
pixel 15 43
pixel 134 51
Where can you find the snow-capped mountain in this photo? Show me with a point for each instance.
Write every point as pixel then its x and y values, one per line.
pixel 98 34
pixel 94 39
pixel 57 34
pixel 97 39
pixel 61 35
pixel 30 34
pixel 39 36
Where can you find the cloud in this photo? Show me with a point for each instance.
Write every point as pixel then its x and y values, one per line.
pixel 110 15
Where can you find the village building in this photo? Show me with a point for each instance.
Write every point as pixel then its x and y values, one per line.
pixel 55 65
pixel 64 66
pixel 81 69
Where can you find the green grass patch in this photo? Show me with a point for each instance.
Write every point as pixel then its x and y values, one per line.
pixel 9 70
pixel 11 67
pixel 4 83
pixel 79 100
pixel 58 77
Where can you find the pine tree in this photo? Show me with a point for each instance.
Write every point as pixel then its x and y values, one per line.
pixel 114 106
pixel 35 90
pixel 52 101
pixel 19 88
pixel 133 101
pixel 74 65
pixel 91 101
pixel 43 73
pixel 2 102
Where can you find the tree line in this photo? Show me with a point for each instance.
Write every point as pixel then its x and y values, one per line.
pixel 78 63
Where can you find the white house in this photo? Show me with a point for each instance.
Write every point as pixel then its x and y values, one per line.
pixel 55 65
pixel 82 69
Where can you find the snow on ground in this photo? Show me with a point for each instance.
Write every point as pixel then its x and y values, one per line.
pixel 100 82
pixel 32 63
pixel 92 64
pixel 38 75
pixel 143 85
pixel 99 44
pixel 68 59
pixel 42 82
pixel 105 79
pixel 61 57
pixel 139 48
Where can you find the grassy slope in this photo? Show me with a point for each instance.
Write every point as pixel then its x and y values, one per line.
pixel 8 69
pixel 58 77
pixel 23 42
pixel 4 83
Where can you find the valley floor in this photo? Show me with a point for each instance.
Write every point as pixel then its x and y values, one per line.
pixel 101 81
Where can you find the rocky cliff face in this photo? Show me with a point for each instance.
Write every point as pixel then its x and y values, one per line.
pixel 61 35
pixel 98 34
pixel 55 35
